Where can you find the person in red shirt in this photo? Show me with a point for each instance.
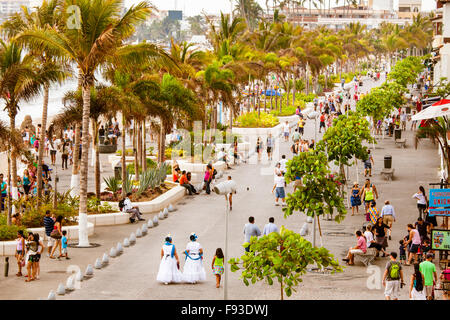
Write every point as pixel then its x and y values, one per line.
pixel 322 122
pixel 361 247
pixel 176 174
pixel 184 182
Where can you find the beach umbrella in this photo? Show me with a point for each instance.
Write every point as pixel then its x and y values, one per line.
pixel 438 109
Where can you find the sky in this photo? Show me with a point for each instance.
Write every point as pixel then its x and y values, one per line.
pixel 194 7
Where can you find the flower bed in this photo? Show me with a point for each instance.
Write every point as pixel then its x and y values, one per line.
pixel 252 120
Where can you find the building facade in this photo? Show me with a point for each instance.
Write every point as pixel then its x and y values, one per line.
pixel 441 41
pixel 8 7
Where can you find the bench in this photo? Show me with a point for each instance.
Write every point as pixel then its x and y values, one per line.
pixel 388 174
pixel 400 143
pixel 368 257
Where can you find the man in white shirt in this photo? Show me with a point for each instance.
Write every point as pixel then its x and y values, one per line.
pixel 279 190
pixel 403 120
pixel 222 156
pixel 270 227
pixel 128 208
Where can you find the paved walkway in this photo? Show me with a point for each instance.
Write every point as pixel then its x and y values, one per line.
pixel 133 275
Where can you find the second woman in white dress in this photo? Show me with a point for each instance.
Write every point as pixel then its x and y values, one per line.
pixel 169 268
pixel 193 270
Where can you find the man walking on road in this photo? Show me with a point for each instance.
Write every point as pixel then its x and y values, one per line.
pixel 428 269
pixel 270 227
pixel 388 215
pixel 250 230
pixel 392 276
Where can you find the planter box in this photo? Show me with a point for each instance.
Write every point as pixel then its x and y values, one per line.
pixel 8 248
pixel 110 148
pixel 108 219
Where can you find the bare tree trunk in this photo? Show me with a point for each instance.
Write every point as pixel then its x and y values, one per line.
pixel 124 167
pixel 144 142
pixel 75 179
pixel 97 158
pixel 162 143
pixel 12 126
pixel 136 161
pixel 82 217
pixel 42 143
pixel 8 217
pixel 265 96
pixel 139 144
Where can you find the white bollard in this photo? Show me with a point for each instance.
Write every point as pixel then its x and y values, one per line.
pixel 98 264
pixel 79 276
pixel 165 213
pixel 105 259
pixel 126 242
pixel 309 219
pixel 51 295
pixel 61 290
pixel 70 283
pixel 112 252
pixel 150 223
pixel 155 220
pixel 119 248
pixel 144 229
pixel 171 208
pixel 132 238
pixel 89 271
pixel 161 215
pixel 138 233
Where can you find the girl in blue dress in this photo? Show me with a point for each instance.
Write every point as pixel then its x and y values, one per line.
pixel 355 199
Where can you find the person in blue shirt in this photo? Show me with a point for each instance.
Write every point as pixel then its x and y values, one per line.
pixel 64 245
pixel 3 190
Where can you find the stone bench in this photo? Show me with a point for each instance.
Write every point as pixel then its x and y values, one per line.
pixel 400 143
pixel 368 257
pixel 388 174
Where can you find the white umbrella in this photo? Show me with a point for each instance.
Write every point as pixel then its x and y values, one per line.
pixel 439 109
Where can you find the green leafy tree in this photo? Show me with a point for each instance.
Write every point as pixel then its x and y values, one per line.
pixel 319 192
pixel 406 71
pixel 344 139
pixel 283 257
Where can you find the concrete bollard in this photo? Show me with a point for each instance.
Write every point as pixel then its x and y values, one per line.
pixel 61 290
pixel 132 238
pixel 165 213
pixel 161 215
pixel 113 252
pixel 79 276
pixel 70 283
pixel 98 264
pixel 89 271
pixel 150 223
pixel 119 248
pixel 171 208
pixel 144 229
pixel 309 219
pixel 51 295
pixel 304 230
pixel 126 242
pixel 105 259
pixel 155 220
pixel 138 233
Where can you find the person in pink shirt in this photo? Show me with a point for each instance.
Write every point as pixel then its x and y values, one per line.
pixel 361 247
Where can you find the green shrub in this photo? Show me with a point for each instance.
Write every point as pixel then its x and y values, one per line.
pixel 128 152
pixel 8 233
pixel 252 120
pixel 150 164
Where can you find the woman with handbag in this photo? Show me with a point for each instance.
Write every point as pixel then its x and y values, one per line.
pixel 57 235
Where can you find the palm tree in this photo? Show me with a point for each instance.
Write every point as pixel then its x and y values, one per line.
pixel 43 16
pixel 99 35
pixel 22 77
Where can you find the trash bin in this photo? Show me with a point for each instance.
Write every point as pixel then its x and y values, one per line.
pixel 387 162
pixel 118 171
pixel 398 134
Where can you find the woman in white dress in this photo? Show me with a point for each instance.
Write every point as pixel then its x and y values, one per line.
pixel 193 270
pixel 169 268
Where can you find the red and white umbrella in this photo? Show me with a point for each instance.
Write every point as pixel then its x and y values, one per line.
pixel 438 109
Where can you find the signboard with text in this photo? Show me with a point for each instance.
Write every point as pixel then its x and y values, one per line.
pixel 439 203
pixel 440 239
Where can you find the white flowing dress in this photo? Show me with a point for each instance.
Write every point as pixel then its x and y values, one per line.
pixel 168 270
pixel 193 269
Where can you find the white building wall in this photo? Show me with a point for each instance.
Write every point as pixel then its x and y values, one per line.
pixel 383 5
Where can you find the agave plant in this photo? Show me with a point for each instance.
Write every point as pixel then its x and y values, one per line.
pixel 145 181
pixel 112 184
pixel 162 173
pixel 127 183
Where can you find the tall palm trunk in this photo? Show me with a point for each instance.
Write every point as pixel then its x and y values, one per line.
pixel 97 158
pixel 75 179
pixel 124 168
pixel 8 217
pixel 139 145
pixel 136 160
pixel 162 143
pixel 144 147
pixel 265 96
pixel 293 89
pixel 42 143
pixel 12 125
pixel 82 215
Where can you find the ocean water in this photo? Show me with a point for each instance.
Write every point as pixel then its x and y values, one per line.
pixel 34 107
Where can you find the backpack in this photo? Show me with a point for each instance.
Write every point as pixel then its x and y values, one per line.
pixel 394 271
pixel 121 204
